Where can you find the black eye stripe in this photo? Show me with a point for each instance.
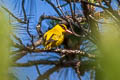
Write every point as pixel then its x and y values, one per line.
pixel 62 26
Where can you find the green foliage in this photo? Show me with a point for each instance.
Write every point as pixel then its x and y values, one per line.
pixel 110 48
pixel 4 47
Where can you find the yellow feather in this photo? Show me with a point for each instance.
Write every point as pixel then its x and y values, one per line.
pixel 54 37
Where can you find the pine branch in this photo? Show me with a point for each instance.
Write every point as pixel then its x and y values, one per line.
pixel 10 13
pixel 58 63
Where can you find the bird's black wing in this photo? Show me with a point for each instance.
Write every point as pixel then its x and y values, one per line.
pixel 50 40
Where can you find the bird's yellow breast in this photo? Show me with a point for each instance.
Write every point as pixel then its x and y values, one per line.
pixel 53 37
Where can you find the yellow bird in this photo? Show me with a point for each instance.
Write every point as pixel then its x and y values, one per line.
pixel 55 36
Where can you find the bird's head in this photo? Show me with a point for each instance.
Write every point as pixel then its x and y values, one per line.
pixel 63 28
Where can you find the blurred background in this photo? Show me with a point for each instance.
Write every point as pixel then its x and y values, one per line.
pixel 98 26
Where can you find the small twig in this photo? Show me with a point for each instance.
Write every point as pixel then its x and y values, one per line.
pixel 43 17
pixel 87 2
pixel 37 68
pixel 49 17
pixel 31 36
pixel 74 31
pixel 93 4
pixel 38 29
pixel 19 55
pixel 54 7
pixel 78 69
pixel 73 15
pixel 22 52
pixel 18 39
pixel 97 20
pixel 74 6
pixel 28 29
pixel 112 15
pixel 24 12
pixel 19 20
pixel 63 5
pixel 46 75
pixel 60 8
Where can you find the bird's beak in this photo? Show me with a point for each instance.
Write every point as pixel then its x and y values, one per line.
pixel 68 31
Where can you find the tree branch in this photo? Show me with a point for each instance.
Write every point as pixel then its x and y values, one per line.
pixel 43 17
pixel 49 17
pixel 58 63
pixel 63 51
pixel 32 63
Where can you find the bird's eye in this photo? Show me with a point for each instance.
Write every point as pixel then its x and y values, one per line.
pixel 62 27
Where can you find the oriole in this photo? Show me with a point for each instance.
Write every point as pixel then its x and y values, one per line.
pixel 55 36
